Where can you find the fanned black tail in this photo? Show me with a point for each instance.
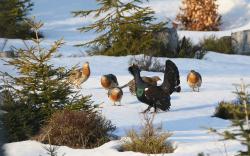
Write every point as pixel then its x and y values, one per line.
pixel 171 81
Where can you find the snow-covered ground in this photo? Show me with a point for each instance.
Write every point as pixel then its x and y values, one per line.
pixel 190 111
pixel 188 118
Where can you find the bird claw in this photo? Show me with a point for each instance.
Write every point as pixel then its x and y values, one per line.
pixel 155 111
pixel 117 105
pixel 145 111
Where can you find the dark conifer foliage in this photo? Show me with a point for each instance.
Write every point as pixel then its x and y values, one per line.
pixel 39 90
pixel 13 14
pixel 124 28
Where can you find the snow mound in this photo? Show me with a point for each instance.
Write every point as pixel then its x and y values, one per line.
pixel 60 23
pixel 228 59
pixel 190 111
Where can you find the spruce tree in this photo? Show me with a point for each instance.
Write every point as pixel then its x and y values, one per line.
pixel 243 98
pixel 199 15
pixel 13 14
pixel 125 27
pixel 241 128
pixel 39 90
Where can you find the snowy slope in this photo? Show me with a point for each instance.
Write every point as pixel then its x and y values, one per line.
pixel 59 22
pixel 235 17
pixel 189 114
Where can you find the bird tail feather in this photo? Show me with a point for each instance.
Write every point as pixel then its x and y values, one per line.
pixel 171 81
pixel 124 86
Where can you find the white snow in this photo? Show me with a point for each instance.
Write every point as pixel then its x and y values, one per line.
pixel 190 112
pixel 188 118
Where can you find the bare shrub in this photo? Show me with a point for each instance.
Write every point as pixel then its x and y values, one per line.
pixel 148 63
pixel 187 49
pixel 150 140
pixel 76 129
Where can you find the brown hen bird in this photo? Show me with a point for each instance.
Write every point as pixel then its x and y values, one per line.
pixel 150 80
pixel 194 80
pixel 109 81
pixel 115 95
pixel 79 76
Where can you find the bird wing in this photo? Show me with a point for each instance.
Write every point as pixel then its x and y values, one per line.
pixel 171 80
pixel 199 75
pixel 153 93
pixel 160 98
pixel 75 71
pixel 148 80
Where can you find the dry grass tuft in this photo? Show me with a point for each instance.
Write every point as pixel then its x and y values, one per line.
pixel 150 140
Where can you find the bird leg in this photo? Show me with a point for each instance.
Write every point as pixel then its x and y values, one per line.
pixel 146 110
pixel 155 109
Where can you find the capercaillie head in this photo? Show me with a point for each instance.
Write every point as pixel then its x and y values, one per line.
pixel 133 69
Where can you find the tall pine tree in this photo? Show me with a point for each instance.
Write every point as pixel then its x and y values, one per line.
pixel 199 15
pixel 125 27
